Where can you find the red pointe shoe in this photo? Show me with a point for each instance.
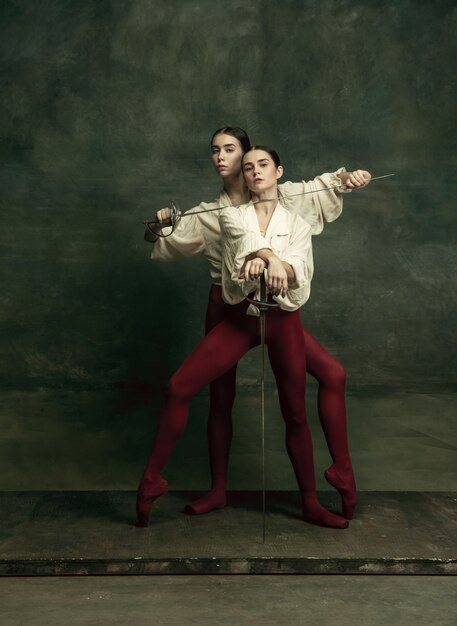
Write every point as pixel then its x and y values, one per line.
pixel 314 513
pixel 344 483
pixel 149 490
pixel 209 502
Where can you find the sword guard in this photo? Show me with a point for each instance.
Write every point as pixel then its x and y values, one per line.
pixel 174 219
pixel 262 305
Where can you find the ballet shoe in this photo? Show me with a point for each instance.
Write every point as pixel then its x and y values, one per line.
pixel 149 490
pixel 209 502
pixel 344 483
pixel 315 514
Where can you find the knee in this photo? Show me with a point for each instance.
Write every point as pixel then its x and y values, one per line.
pixel 178 389
pixel 295 417
pixel 335 375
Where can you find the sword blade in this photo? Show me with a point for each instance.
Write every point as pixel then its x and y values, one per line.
pixel 293 195
pixel 262 311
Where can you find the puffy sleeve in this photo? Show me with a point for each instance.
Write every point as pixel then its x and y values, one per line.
pixel 318 207
pixel 186 240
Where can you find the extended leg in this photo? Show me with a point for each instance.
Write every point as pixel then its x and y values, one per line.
pixel 286 349
pixel 215 354
pixel 331 376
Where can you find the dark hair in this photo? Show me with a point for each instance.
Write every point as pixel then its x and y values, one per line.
pixel 237 132
pixel 274 155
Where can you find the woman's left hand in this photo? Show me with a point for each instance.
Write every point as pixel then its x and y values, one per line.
pixel 355 179
pixel 252 269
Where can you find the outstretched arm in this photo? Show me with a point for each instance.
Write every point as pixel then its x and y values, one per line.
pixel 355 179
pixel 186 239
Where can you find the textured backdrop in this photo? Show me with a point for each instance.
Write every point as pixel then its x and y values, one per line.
pixel 107 109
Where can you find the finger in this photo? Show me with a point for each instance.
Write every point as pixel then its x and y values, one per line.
pixel 254 269
pixel 354 180
pixel 275 283
pixel 360 177
pixel 278 287
pixel 164 215
pixel 274 291
pixel 366 177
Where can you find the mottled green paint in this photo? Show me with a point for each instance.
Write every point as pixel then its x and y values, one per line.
pixel 106 113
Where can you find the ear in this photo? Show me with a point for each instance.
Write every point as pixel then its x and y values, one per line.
pixel 279 172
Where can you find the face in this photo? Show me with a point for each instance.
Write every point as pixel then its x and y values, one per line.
pixel 260 171
pixel 226 153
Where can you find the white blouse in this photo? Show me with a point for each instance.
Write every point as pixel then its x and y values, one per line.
pixel 287 235
pixel 318 207
pixel 196 234
pixel 200 234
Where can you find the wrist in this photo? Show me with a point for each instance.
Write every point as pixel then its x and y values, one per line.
pixel 272 259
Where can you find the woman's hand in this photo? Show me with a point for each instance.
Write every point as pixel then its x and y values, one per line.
pixel 253 268
pixel 163 216
pixel 354 180
pixel 277 277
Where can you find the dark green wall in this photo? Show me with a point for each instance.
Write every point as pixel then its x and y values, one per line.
pixel 106 113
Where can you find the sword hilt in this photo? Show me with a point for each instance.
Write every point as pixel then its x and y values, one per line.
pixel 174 219
pixel 175 215
pixel 262 305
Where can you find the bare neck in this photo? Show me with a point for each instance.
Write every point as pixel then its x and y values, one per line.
pixel 265 203
pixel 236 189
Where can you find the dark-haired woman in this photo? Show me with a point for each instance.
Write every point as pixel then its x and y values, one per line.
pixel 255 237
pixel 201 234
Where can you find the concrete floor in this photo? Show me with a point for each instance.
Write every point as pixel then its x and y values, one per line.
pixel 400 442
pixel 93 533
pixel 230 600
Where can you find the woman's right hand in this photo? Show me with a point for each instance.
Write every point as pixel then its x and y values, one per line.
pixel 163 216
pixel 253 269
pixel 277 282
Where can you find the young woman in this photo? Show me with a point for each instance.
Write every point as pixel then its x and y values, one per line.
pixel 201 234
pixel 255 237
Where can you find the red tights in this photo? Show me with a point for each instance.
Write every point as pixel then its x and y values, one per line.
pixel 331 376
pixel 216 354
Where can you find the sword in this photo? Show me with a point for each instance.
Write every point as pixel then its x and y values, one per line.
pixel 176 213
pixel 262 305
pixel 262 312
